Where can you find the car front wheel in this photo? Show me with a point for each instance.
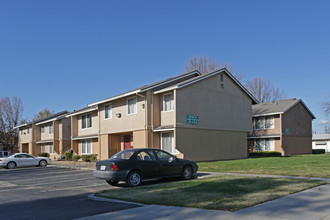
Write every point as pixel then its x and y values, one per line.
pixel 42 163
pixel 134 178
pixel 112 182
pixel 187 173
pixel 11 165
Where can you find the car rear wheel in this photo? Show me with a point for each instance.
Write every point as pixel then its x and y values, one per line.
pixel 134 178
pixel 112 182
pixel 11 165
pixel 187 173
pixel 42 163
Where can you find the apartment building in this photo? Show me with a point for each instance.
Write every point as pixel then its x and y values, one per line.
pixel 199 117
pixel 284 126
pixel 50 135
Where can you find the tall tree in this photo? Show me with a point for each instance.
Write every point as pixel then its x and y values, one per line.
pixel 264 90
pixel 206 64
pixel 43 114
pixel 10 116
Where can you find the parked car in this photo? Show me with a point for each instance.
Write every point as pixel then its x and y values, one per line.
pixel 135 165
pixel 4 154
pixel 23 160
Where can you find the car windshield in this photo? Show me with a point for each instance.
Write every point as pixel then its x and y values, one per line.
pixel 124 155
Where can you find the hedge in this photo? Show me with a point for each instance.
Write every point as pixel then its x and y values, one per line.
pixel 318 151
pixel 265 154
pixel 89 158
pixel 68 155
pixel 43 154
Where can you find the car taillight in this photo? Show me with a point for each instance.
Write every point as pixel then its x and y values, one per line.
pixel 114 167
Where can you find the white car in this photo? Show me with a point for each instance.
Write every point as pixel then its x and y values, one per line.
pixel 23 160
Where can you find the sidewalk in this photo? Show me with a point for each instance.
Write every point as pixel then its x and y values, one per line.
pixel 309 204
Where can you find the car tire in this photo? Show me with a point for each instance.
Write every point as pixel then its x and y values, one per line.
pixel 42 163
pixel 133 179
pixel 187 173
pixel 112 182
pixel 11 165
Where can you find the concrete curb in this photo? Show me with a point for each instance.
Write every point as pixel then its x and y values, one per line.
pixel 102 199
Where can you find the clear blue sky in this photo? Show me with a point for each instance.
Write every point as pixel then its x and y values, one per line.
pixel 65 54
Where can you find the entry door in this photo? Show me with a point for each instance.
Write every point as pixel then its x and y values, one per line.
pixel 127 142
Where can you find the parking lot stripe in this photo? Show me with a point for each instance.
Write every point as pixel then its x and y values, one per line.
pixel 64 181
pixel 6 184
pixel 75 187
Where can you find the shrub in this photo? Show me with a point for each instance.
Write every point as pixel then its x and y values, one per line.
pixel 89 158
pixel 76 157
pixel 43 154
pixel 265 154
pixel 318 151
pixel 68 155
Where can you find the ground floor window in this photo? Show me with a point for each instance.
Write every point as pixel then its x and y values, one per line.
pixel 51 149
pixel 43 148
pixel 87 147
pixel 264 145
pixel 167 142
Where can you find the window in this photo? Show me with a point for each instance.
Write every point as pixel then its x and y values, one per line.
pixel 145 155
pixel 87 147
pixel 51 149
pixel 167 142
pixel 162 155
pixel 28 130
pixel 43 148
pixel 51 131
pixel 42 129
pixel 264 145
pixel 131 106
pixel 264 123
pixel 86 121
pixel 22 131
pixel 108 111
pixel 168 102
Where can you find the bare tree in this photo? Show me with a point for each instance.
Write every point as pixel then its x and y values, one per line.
pixel 43 114
pixel 264 90
pixel 10 115
pixel 206 64
pixel 326 108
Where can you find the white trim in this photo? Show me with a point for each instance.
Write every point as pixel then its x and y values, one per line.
pixel 166 129
pixel 174 151
pixel 87 142
pixel 45 122
pixel 135 108
pixel 82 112
pixel 166 89
pixel 86 137
pixel 22 125
pixel 265 137
pixel 115 97
pixel 269 114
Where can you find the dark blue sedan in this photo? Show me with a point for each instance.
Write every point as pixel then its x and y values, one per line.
pixel 134 165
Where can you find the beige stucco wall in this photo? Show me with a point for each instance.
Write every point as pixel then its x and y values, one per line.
pixel 88 131
pixel 46 135
pixel 125 122
pixel 218 107
pixel 25 137
pixel 209 145
pixel 140 139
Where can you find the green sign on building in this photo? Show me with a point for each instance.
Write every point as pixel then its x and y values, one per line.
pixel 192 119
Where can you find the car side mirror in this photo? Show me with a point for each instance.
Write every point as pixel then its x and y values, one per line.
pixel 171 159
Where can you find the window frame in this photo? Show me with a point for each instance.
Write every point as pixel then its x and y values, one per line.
pixel 86 142
pixel 135 107
pixel 51 128
pixel 43 148
pixel 174 151
pixel 109 111
pixel 164 102
pixel 51 149
pixel 264 119
pixel 271 142
pixel 82 121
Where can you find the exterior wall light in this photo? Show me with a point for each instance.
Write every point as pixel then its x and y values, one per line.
pixel 118 115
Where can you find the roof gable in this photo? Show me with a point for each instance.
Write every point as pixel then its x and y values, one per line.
pixel 277 107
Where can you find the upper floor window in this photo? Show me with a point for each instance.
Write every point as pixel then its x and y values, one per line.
pixel 261 123
pixel 28 130
pixel 42 129
pixel 168 102
pixel 22 131
pixel 131 106
pixel 108 111
pixel 86 121
pixel 51 130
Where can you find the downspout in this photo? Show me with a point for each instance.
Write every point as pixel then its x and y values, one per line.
pixel 145 116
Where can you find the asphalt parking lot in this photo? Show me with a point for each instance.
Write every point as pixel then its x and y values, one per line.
pixel 51 193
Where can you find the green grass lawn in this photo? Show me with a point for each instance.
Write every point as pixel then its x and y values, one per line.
pixel 313 165
pixel 222 193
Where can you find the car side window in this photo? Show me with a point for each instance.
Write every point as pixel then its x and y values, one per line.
pixel 18 156
pixel 163 155
pixel 145 155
